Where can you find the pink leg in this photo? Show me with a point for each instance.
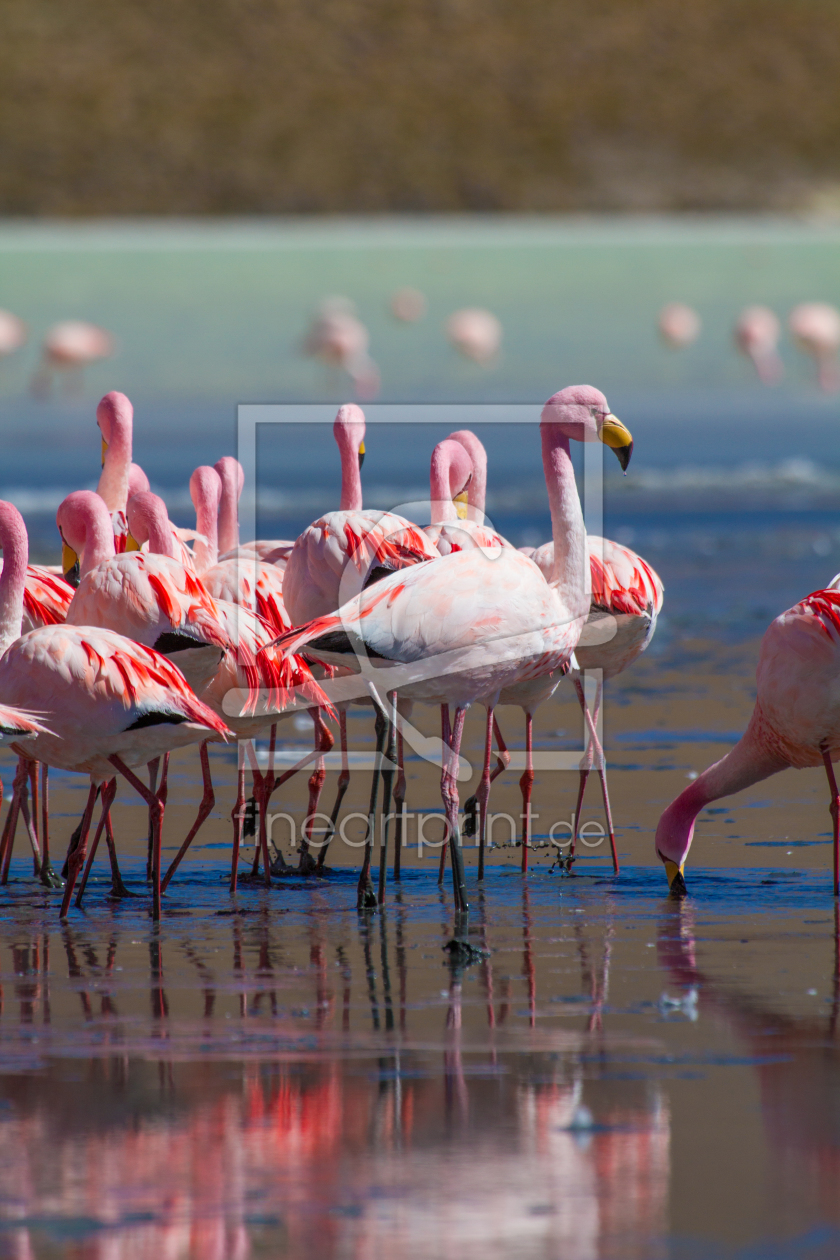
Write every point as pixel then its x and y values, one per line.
pixel 109 791
pixel 323 743
pixel 156 803
pixel 75 860
pixel 10 828
pixel 343 784
pixel 236 815
pixel 399 800
pixel 835 814
pixel 526 783
pixel 48 876
pixel 483 794
pixel 449 794
pixel 208 800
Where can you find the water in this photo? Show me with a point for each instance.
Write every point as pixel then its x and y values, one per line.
pixel 619 1076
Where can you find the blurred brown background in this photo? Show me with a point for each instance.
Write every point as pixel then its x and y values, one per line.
pixel 271 106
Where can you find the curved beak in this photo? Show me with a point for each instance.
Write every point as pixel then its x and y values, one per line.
pixel 104 451
pixel 70 564
pixel 617 437
pixel 461 500
pixel 131 543
pixel 361 455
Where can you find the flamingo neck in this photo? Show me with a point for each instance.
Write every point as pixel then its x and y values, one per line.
pixel 148 522
pixel 114 479
pixel 351 477
pixel 97 541
pixel 440 490
pixel 567 528
pixel 206 499
pixel 15 546
pixel 477 489
pixel 748 762
pixel 227 530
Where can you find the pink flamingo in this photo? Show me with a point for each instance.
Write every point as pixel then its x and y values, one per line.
pixel 476 333
pixel 795 722
pixel 274 551
pixel 107 703
pixel 266 684
pixel 450 488
pixel 115 418
pixel 679 325
pixel 626 597
pixel 339 339
pixel 151 599
pixel 141 508
pixel 69 347
pixel 408 305
pixel 757 333
pixel 12 333
pixel 815 327
pixel 463 628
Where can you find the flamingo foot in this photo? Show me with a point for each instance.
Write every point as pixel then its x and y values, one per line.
pixel 469 826
pixel 307 864
pixel 367 897
pixel 48 876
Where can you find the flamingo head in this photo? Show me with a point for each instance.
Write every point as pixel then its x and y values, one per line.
pixel 148 522
pixel 582 413
pixel 114 415
pixel 451 474
pixel 231 473
pixel 349 431
pixel 87 534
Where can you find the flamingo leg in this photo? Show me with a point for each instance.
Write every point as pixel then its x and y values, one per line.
pixel 76 858
pixel 153 768
pixel 387 780
pixel 156 803
pixel 602 772
pixel 526 783
pixel 8 841
pixel 109 791
pixel 208 800
pixel 343 784
pixel 835 813
pixel 502 763
pixel 365 896
pixel 399 800
pixel 236 815
pixel 451 804
pixel 482 796
pixel 30 830
pixel 33 787
pixel 48 876
pixel 323 743
pixel 118 888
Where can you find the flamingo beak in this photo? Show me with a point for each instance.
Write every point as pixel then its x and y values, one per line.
pixel 461 500
pixel 69 564
pixel 104 451
pixel 617 437
pixel 361 455
pixel 676 879
pixel 131 543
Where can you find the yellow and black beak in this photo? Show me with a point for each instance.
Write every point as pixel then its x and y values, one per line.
pixel 104 451
pixel 70 564
pixel 461 500
pixel 676 878
pixel 361 455
pixel 617 437
pixel 131 543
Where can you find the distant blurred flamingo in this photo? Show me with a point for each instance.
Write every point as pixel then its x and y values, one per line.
pixel 679 325
pixel 815 327
pixel 339 338
pixel 12 333
pixel 476 333
pixel 757 334
pixel 69 347
pixel 408 305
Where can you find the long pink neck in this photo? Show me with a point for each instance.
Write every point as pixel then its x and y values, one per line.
pixel 440 489
pixel 148 522
pixel 15 546
pixel 229 470
pixel 567 528
pixel 349 433
pixel 747 763
pixel 98 541
pixel 206 494
pixel 477 489
pixel 113 481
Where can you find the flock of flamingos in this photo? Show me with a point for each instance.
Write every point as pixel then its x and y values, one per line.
pixel 141 645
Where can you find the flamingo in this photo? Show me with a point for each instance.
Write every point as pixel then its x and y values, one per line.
pixel 69 347
pixel 107 703
pixel 338 338
pixel 795 722
pixel 815 327
pixel 476 333
pixel 144 508
pixel 12 333
pixel 250 666
pixel 274 551
pixel 452 470
pixel 115 418
pixel 408 305
pixel 152 599
pixel 757 336
pixel 626 595
pixel 463 628
pixel 679 325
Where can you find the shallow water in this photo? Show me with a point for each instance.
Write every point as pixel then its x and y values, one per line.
pixel 618 1076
